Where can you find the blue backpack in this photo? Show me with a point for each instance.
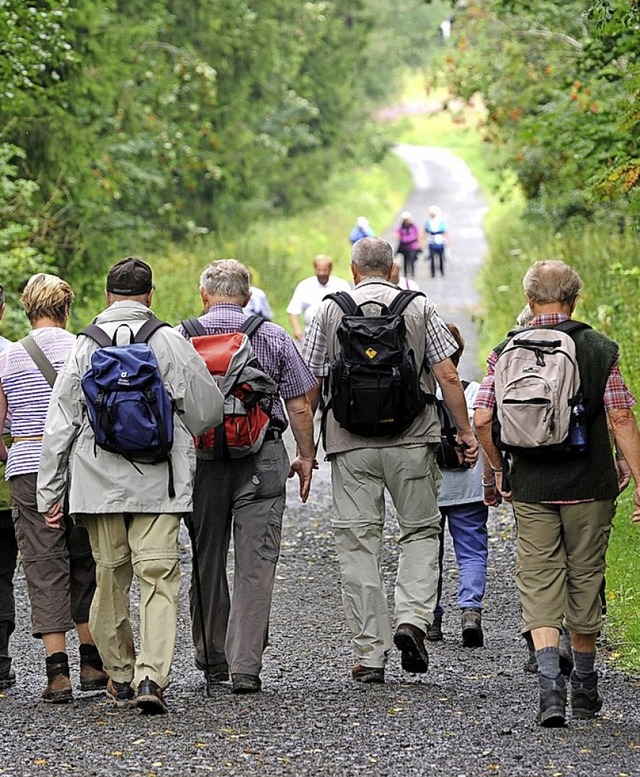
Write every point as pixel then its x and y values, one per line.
pixel 130 410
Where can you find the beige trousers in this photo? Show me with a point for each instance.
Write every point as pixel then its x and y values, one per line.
pixel 359 479
pixel 147 545
pixel 560 563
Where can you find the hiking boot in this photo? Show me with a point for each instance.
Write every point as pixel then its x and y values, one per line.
pixel 245 683
pixel 149 698
pixel 92 674
pixel 7 680
pixel 434 630
pixel 472 635
pixel 214 677
pixel 58 691
pixel 409 640
pixel 585 699
pixel 121 694
pixel 553 702
pixel 566 653
pixel 367 674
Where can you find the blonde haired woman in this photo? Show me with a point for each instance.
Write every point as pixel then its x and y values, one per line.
pixel 57 562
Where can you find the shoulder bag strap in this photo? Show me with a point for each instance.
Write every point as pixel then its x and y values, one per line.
pixel 401 300
pixel 97 334
pixel 40 359
pixel 569 326
pixel 147 329
pixel 193 327
pixel 252 324
pixel 344 301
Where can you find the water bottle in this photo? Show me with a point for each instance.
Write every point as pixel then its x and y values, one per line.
pixel 578 427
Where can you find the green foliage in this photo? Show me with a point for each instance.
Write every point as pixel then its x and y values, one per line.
pixel 19 234
pixel 143 122
pixel 561 84
pixel 278 251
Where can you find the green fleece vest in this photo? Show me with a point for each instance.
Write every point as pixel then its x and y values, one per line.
pixel 595 475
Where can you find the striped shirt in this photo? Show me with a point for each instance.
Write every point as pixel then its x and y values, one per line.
pixel 616 394
pixel 28 394
pixel 274 349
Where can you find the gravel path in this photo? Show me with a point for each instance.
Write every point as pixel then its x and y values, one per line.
pixel 472 714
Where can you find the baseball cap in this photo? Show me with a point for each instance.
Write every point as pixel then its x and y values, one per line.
pixel 130 277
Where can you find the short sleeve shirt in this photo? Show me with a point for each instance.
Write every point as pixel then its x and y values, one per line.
pixel 309 293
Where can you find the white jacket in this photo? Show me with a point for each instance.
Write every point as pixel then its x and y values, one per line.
pixel 103 482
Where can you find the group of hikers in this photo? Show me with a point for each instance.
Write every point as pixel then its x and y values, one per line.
pixel 120 432
pixel 434 239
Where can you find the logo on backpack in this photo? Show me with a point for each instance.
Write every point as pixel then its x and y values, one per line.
pixel 374 382
pixel 244 384
pixel 129 408
pixel 538 390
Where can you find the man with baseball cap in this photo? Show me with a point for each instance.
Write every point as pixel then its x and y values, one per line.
pixel 131 517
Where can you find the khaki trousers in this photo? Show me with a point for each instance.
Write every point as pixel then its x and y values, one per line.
pixel 147 545
pixel 560 563
pixel 359 479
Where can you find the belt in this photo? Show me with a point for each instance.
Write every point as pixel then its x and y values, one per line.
pixel 273 434
pixel 33 438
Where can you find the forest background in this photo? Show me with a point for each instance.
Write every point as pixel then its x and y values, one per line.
pixel 187 130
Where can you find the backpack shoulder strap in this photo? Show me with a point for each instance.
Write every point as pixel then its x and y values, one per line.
pixel 40 359
pixel 569 326
pixel 193 327
pixel 97 334
pixel 252 324
pixel 344 301
pixel 401 300
pixel 147 329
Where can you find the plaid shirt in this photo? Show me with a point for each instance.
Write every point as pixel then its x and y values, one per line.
pixel 274 349
pixel 616 394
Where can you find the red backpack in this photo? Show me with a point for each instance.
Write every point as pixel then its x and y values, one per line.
pixel 233 364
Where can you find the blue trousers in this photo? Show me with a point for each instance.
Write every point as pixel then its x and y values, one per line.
pixel 468 529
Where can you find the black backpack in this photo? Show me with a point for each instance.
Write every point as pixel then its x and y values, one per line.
pixel 374 383
pixel 446 451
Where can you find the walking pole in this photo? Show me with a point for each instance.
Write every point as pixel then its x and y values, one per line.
pixel 196 577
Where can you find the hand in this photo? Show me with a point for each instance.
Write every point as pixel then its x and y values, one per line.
pixel 53 516
pixel 470 448
pixel 491 496
pixel 505 494
pixel 636 498
pixel 624 473
pixel 3 450
pixel 303 468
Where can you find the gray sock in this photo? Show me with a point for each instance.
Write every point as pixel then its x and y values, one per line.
pixel 583 664
pixel 548 662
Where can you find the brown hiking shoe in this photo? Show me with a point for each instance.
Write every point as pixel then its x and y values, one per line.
pixel 149 698
pixel 92 679
pixel 409 640
pixel 367 674
pixel 121 694
pixel 58 691
pixel 92 674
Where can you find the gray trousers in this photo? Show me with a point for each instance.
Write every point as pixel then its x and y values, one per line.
pixel 246 496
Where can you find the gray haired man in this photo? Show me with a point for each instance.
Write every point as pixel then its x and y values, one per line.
pixel 245 495
pixel 404 464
